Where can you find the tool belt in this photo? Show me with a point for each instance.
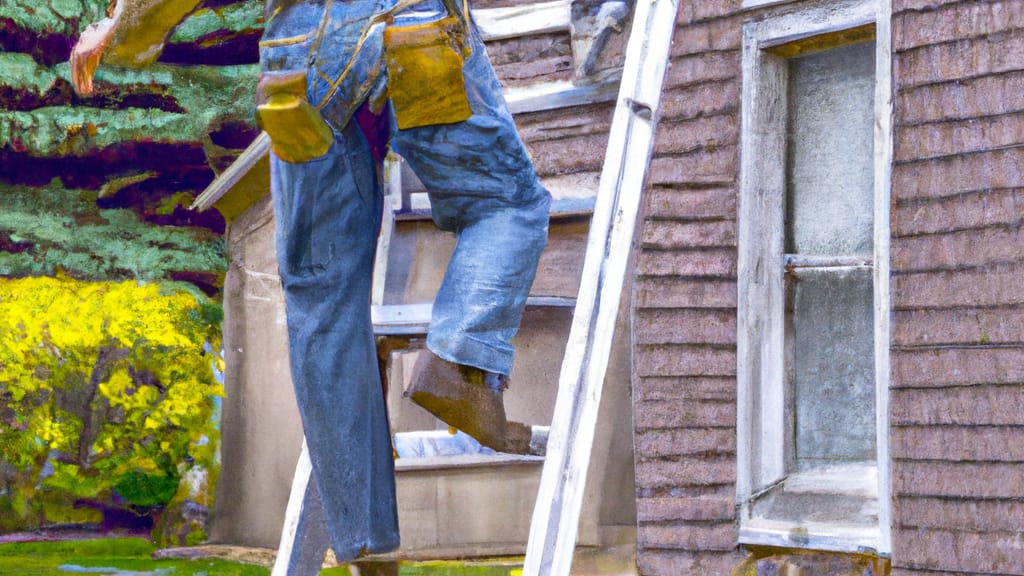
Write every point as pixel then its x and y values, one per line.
pixel 425 83
pixel 297 131
pixel 424 63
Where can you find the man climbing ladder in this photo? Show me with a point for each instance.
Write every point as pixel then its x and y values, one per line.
pixel 341 80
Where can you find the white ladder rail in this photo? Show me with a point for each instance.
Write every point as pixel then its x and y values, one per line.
pixel 304 539
pixel 556 513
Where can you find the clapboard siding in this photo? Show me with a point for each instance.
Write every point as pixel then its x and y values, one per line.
pixel 685 302
pixel 957 259
pixel 957 406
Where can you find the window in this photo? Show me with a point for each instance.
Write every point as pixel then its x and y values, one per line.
pixel 813 279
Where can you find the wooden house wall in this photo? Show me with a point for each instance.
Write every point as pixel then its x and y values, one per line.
pixel 685 307
pixel 957 412
pixel 957 261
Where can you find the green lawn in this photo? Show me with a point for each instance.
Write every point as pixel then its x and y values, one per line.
pixel 133 557
pixel 118 556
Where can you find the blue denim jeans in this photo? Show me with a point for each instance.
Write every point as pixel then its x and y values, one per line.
pixel 482 187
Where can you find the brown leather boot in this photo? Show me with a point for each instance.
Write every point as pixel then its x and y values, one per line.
pixel 518 437
pixel 464 397
pixel 376 568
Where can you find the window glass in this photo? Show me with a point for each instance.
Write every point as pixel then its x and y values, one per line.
pixel 831 318
pixel 829 207
pixel 829 144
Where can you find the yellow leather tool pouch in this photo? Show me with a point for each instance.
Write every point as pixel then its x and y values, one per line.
pixel 297 131
pixel 425 82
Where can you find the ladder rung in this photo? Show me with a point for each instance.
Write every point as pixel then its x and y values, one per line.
pixel 413 319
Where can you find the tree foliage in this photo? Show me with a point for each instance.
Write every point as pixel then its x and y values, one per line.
pixel 107 393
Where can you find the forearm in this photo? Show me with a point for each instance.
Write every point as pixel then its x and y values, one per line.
pixel 132 34
pixel 140 28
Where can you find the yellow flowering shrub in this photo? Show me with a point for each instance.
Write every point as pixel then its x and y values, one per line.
pixel 107 394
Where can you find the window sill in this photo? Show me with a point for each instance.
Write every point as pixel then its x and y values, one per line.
pixel 833 508
pixel 811 536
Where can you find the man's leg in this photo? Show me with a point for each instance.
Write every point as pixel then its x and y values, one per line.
pixel 327 215
pixel 482 186
pixel 309 542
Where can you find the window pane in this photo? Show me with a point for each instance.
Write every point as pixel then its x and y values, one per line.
pixel 829 159
pixel 832 319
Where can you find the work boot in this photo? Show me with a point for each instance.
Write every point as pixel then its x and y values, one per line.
pixel 464 397
pixel 375 568
pixel 517 438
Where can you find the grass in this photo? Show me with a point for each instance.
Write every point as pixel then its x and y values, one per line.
pixel 446 568
pixel 133 557
pixel 108 557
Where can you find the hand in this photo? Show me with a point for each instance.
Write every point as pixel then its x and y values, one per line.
pixel 86 55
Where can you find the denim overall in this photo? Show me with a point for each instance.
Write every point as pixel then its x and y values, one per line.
pixel 482 186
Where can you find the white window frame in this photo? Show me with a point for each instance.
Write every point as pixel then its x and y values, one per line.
pixel 760 3
pixel 761 416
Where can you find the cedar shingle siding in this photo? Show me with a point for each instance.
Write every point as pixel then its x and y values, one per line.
pixel 958 288
pixel 957 257
pixel 685 301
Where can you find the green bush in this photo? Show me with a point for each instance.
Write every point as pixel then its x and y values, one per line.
pixel 108 398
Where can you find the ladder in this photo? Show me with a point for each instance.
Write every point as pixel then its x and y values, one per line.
pixel 557 509
pixel 556 512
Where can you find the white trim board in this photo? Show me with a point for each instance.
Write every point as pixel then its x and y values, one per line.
pixel 761 426
pixel 883 198
pixel 559 94
pixel 827 537
pixel 411 319
pixel 531 19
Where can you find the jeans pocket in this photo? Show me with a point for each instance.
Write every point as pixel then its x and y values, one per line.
pixel 345 68
pixel 287 54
